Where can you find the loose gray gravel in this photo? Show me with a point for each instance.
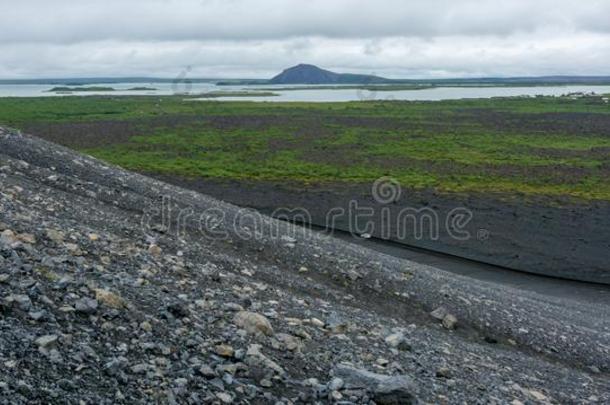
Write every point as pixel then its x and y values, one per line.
pixel 107 295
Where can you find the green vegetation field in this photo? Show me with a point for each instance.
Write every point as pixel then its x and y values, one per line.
pixel 542 146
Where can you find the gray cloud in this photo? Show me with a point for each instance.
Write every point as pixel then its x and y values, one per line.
pixel 239 38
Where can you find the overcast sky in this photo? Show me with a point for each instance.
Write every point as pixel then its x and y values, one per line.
pixel 258 38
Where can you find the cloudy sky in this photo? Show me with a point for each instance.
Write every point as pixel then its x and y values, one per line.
pixel 258 38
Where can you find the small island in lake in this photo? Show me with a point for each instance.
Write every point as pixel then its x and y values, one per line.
pixel 66 89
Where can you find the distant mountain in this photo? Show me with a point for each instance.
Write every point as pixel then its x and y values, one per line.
pixel 310 74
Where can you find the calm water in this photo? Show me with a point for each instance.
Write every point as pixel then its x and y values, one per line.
pixel 314 95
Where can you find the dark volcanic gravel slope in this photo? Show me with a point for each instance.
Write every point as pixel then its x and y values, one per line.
pixel 110 295
pixel 536 235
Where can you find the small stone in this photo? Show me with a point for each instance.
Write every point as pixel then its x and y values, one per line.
pixel 55 236
pixel 303 269
pixel 336 395
pixel 266 383
pixel 9 238
pixel 443 372
pixel 253 323
pixel 109 298
pixel 490 340
pixel 382 362
pixel 207 371
pixel 46 342
pixel 38 315
pixel 140 368
pixel 155 250
pixel 178 309
pixel 86 306
pixel 538 395
pixel 439 313
pixel 93 237
pixel 66 385
pixel 23 388
pixel 404 346
pixel 399 389
pixel 450 322
pixel 336 384
pixel 114 366
pixel 290 342
pixel 316 322
pixel 398 341
pixel 311 382
pixel 73 249
pixel 67 309
pixel 224 350
pixel 224 397
pixel 233 307
pixel 22 301
pixel 27 238
pixel 336 325
pixel 27 282
pixel 255 357
pixel 146 326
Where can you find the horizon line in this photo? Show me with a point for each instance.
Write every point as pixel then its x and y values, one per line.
pixel 145 77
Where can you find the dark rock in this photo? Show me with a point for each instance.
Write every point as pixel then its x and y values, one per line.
pixel 178 309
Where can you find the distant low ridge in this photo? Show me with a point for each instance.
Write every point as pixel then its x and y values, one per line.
pixel 310 74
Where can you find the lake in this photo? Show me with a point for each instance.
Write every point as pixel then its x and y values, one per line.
pixel 312 95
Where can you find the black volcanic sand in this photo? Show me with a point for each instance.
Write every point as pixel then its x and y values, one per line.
pixel 560 238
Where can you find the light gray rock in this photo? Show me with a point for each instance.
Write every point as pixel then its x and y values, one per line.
pixel 8 238
pixel 398 341
pixel 86 306
pixel 22 301
pixel 439 313
pixel 46 342
pixel 336 384
pixel 384 389
pixel 450 322
pixel 253 323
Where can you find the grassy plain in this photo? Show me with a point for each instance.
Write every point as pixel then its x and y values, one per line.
pixel 218 94
pixel 537 146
